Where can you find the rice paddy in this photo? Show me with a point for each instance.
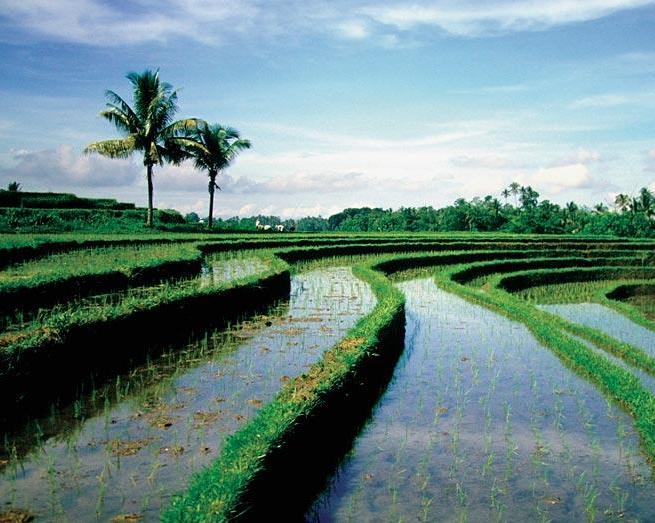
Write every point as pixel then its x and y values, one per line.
pixel 160 423
pixel 483 423
pixel 525 389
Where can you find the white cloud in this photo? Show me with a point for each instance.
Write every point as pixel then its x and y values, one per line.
pixel 479 18
pixel 494 89
pixel 97 22
pixel 650 162
pixel 494 161
pixel 66 167
pixel 559 179
pixel 353 30
pixel 581 156
pixel 603 100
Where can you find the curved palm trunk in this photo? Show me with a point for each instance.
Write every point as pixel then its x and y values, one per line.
pixel 212 189
pixel 149 217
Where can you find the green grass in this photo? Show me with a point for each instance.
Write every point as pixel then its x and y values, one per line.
pixel 125 259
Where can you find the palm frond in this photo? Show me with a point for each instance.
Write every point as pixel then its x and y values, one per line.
pixel 120 120
pixel 114 100
pixel 121 148
pixel 184 128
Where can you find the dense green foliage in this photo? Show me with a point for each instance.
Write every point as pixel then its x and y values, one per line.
pixel 527 215
pixel 53 200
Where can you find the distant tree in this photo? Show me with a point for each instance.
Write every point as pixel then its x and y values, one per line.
pixel 528 197
pixel 13 187
pixel 192 217
pixel 622 202
pixel 645 203
pixel 148 126
pixel 213 148
pixel 515 189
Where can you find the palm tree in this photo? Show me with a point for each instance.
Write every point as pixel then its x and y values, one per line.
pixel 622 202
pixel 148 127
pixel 505 194
pixel 213 147
pixel 515 189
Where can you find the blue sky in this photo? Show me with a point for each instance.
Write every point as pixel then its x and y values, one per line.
pixel 347 103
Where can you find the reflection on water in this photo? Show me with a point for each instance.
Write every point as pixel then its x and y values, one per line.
pixel 226 266
pixel 481 423
pixel 607 320
pixel 130 456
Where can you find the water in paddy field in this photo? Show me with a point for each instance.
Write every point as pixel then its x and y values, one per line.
pixel 216 269
pixel 482 423
pixel 131 454
pixel 607 320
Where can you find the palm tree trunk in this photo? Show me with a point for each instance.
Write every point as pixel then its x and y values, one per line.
pixel 212 188
pixel 149 220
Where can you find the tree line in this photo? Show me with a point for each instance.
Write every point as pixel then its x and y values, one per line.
pixel 520 211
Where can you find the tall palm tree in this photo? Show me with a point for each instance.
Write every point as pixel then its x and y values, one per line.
pixel 148 126
pixel 213 148
pixel 515 189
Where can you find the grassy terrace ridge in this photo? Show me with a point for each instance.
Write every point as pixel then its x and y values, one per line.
pixel 105 269
pixel 93 271
pixel 225 490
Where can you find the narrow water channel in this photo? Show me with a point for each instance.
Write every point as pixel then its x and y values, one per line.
pixel 607 320
pixel 126 458
pixel 482 423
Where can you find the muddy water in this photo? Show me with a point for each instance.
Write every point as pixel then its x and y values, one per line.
pixel 607 320
pixel 129 458
pixel 481 423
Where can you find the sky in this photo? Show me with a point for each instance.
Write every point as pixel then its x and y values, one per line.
pixel 347 103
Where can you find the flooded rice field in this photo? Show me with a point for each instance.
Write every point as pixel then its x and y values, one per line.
pixel 482 423
pixel 122 451
pixel 216 269
pixel 607 320
pixel 231 265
